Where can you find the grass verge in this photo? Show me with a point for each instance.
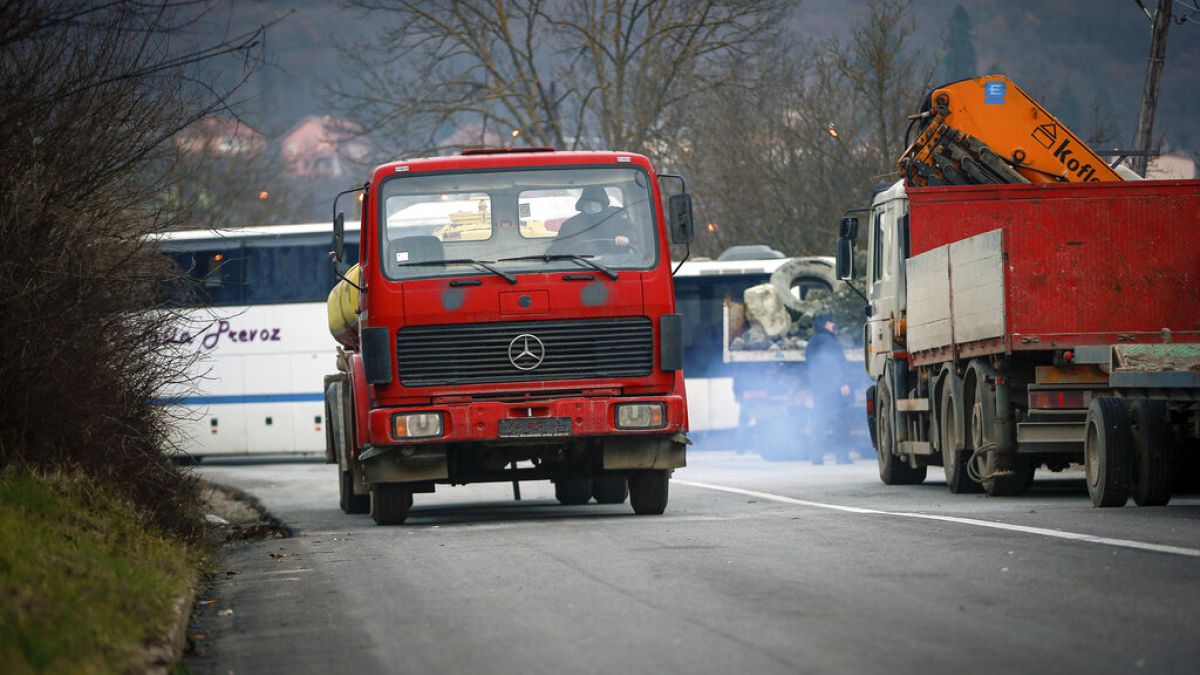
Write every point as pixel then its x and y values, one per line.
pixel 85 582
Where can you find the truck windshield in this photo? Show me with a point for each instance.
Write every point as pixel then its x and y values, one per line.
pixel 517 221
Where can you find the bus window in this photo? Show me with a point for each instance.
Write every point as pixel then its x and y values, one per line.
pixel 290 269
pixel 254 270
pixel 213 272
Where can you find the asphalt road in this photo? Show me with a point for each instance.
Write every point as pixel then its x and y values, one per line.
pixel 756 567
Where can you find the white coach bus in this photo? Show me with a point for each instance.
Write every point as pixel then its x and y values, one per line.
pixel 256 319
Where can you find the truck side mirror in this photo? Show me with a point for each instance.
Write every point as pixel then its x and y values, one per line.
pixel 683 228
pixel 848 228
pixel 339 237
pixel 845 258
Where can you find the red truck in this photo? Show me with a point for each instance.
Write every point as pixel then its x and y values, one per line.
pixel 511 317
pixel 1015 326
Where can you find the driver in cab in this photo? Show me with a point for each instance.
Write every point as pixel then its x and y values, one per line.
pixel 598 227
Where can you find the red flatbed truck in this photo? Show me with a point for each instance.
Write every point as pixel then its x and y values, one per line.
pixel 510 307
pixel 1027 325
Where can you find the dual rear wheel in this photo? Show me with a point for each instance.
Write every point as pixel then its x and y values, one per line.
pixel 646 490
pixel 1127 452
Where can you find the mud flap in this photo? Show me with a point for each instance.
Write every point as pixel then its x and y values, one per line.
pixel 389 465
pixel 646 452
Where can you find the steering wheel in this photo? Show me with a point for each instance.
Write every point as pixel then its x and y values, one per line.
pixel 603 246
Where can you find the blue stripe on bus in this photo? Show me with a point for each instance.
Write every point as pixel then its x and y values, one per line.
pixel 242 398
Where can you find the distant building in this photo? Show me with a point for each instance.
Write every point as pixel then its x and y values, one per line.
pixel 319 146
pixel 220 136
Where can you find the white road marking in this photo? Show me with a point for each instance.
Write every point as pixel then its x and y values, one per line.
pixel 1040 531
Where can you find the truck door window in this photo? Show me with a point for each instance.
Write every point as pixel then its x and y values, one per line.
pixel 877 249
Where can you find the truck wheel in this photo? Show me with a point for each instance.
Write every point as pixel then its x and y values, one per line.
pixel 350 502
pixel 871 416
pixel 1008 486
pixel 1152 453
pixel 610 490
pixel 892 469
pixel 954 461
pixel 573 491
pixel 1107 451
pixel 1022 469
pixel 648 491
pixel 390 503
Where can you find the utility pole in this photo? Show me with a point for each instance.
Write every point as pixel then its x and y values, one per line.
pixel 1158 52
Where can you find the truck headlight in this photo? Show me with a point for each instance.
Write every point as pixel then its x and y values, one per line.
pixel 417 425
pixel 641 416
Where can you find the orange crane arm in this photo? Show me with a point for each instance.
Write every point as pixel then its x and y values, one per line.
pixel 987 130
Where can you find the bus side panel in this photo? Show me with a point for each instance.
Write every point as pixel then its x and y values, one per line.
pixel 270 404
pixel 308 416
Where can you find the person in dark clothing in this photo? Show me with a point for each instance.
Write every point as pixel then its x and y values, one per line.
pixel 596 224
pixel 829 383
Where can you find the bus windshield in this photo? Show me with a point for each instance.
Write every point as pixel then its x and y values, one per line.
pixel 520 220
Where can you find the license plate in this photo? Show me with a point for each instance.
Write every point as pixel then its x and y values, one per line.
pixel 535 427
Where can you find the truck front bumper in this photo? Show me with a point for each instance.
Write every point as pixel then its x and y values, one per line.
pixel 394 458
pixel 560 419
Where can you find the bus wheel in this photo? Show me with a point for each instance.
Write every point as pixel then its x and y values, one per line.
pixel 390 503
pixel 648 491
pixel 1152 453
pixel 350 502
pixel 573 491
pixel 610 490
pixel 1107 448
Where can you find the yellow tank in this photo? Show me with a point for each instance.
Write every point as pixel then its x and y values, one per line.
pixel 342 307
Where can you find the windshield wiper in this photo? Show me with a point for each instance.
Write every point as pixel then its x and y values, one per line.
pixel 482 264
pixel 585 259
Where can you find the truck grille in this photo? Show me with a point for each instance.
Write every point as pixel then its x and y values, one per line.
pixel 463 354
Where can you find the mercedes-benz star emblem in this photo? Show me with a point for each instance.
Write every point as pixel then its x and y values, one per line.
pixel 526 351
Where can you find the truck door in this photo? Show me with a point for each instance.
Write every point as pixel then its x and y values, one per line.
pixel 886 279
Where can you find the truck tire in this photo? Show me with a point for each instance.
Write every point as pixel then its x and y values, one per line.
pixel 892 469
pixel 573 491
pixel 785 276
pixel 1017 483
pixel 350 502
pixel 390 503
pixel 870 396
pixel 1152 453
pixel 648 491
pixel 1022 468
pixel 610 490
pixel 954 460
pixel 1108 450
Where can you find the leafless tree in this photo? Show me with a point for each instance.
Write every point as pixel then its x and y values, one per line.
pixel 90 95
pixel 805 134
pixel 566 73
pixel 887 73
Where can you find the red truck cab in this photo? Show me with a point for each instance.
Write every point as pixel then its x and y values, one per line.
pixel 516 322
